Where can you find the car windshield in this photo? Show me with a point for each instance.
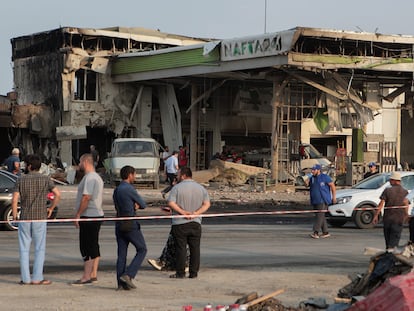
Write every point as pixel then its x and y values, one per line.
pixel 373 182
pixel 135 148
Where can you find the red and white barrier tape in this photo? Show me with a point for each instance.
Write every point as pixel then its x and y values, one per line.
pixel 183 216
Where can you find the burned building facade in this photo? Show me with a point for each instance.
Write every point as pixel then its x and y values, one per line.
pixel 331 88
pixel 65 99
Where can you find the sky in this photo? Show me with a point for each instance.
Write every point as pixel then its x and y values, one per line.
pixel 221 19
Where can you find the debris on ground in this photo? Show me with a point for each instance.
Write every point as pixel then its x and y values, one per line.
pixel 388 284
pixel 252 302
pixel 389 275
pixel 228 173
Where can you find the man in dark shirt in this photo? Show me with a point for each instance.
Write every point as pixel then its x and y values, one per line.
pixel 95 155
pixel 372 170
pixel 127 200
pixel 13 162
pixel 395 213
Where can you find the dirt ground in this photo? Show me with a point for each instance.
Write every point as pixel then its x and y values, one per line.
pixel 155 291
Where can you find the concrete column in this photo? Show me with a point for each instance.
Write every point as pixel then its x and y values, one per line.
pixel 193 129
pixel 275 131
pixel 66 152
pixel 216 127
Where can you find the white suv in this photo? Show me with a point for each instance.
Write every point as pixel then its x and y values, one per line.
pixel 358 203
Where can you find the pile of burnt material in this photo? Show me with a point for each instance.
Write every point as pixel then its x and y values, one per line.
pixel 387 271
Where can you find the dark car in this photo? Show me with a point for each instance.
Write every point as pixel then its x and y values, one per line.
pixel 7 182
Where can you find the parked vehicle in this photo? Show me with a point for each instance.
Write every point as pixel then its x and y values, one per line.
pixel 358 203
pixel 7 182
pixel 140 153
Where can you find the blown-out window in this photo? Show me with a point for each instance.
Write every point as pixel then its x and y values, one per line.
pixel 85 85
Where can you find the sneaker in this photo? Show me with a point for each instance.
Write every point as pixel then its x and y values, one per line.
pixel 127 280
pixel 314 235
pixel 325 235
pixel 81 283
pixel 177 276
pixel 123 286
pixel 155 264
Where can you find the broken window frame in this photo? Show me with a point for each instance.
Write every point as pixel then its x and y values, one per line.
pixel 85 85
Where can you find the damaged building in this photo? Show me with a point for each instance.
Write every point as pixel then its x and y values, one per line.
pixel 338 90
pixel 64 98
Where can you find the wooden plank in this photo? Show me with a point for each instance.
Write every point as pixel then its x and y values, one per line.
pixel 263 298
pixel 205 176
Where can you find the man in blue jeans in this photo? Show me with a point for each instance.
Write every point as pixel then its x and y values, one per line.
pixel 127 201
pixel 322 193
pixel 33 188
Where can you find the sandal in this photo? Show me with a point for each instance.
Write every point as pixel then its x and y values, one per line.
pixel 42 282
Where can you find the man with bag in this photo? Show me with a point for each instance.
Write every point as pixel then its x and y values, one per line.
pixel 127 201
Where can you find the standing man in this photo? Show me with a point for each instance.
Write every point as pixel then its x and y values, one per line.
pixel 13 162
pixel 33 189
pixel 182 157
pixel 394 198
pixel 171 168
pixel 322 193
pixel 164 156
pixel 191 199
pixel 127 201
pixel 89 205
pixel 95 155
pixel 372 166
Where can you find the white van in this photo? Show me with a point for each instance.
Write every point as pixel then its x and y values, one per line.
pixel 140 153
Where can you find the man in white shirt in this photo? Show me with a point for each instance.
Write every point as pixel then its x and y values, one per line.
pixel 171 168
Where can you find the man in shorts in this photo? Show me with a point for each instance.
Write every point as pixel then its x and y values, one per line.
pixel 89 205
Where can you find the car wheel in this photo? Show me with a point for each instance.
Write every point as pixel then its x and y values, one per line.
pixel 7 216
pixel 363 219
pixel 337 222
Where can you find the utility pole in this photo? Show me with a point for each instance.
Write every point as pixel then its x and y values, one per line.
pixel 265 15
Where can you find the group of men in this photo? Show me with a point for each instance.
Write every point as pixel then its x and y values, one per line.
pixel 187 201
pixel 393 201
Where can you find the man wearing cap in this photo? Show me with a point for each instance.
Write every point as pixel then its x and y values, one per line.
pixel 322 193
pixel 372 166
pixel 395 205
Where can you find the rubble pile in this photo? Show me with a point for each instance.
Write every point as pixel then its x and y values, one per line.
pixel 252 302
pixel 382 266
pixel 228 173
pixel 385 268
pixel 388 284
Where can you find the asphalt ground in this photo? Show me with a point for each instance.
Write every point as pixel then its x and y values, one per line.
pixel 240 254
